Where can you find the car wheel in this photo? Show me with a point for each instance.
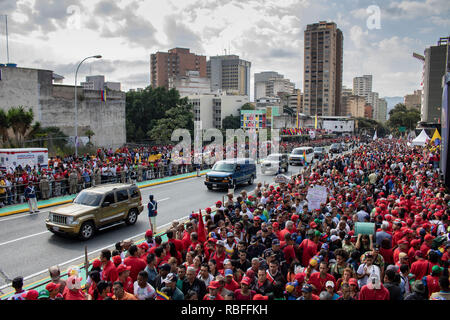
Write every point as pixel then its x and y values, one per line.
pixel 132 217
pixel 87 231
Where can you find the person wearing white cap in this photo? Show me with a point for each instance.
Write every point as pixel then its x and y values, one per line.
pixel 329 286
pixel 374 289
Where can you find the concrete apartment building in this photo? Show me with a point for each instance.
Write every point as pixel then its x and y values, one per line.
pixel 54 105
pixel 353 106
pixel 381 115
pixel 323 63
pixel 272 84
pixel 229 73
pixel 175 62
pixel 414 101
pixel 189 84
pixel 435 67
pixel 211 109
pixel 362 86
pixel 368 111
pixel 99 83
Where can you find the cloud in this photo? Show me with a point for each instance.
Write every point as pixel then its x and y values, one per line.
pixel 413 9
pixel 180 35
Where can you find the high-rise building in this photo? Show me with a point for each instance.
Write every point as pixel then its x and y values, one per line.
pixel 373 101
pixel 345 106
pixel 435 67
pixel 381 115
pixel 353 106
pixel 229 73
pixel 414 101
pixel 272 84
pixel 322 77
pixel 175 62
pixel 189 84
pixel 368 111
pixel 362 86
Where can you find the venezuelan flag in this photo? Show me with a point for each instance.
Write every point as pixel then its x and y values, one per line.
pixel 103 95
pixel 161 296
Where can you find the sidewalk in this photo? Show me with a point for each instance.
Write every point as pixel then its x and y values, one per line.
pixel 21 208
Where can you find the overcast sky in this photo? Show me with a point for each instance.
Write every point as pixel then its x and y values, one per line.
pixel 57 34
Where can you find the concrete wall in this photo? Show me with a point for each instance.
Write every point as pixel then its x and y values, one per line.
pixel 54 105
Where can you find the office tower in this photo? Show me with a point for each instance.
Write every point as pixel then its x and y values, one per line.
pixel 362 86
pixel 323 69
pixel 229 73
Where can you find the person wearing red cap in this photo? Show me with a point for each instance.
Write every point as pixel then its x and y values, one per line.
pixel 426 245
pixel 402 247
pixel 213 293
pixel 420 267
pixel 415 245
pixel 260 297
pixel 124 278
pixel 53 290
pixel 117 260
pixel 30 295
pixel 244 293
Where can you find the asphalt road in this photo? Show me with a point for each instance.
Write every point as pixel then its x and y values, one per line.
pixel 28 249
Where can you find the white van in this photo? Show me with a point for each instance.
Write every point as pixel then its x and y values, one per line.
pixel 296 156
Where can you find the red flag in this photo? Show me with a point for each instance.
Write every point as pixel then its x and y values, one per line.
pixel 201 229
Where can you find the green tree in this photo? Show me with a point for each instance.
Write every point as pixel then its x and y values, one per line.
pixel 178 117
pixel 371 125
pixel 89 133
pixel 400 116
pixel 248 106
pixel 231 122
pixel 145 108
pixel 4 126
pixel 20 121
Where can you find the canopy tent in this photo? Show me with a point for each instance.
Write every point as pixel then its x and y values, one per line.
pixel 421 140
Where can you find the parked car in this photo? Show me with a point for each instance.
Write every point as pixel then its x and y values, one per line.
pixel 319 152
pixel 97 208
pixel 231 173
pixel 274 163
pixel 335 148
pixel 344 146
pixel 297 155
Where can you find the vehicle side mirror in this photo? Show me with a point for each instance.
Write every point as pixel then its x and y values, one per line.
pixel 105 204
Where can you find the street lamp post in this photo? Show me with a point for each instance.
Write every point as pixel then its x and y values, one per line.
pixel 76 100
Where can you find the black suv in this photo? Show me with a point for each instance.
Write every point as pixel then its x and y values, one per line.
pixel 335 148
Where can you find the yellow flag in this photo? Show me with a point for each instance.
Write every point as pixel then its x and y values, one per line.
pixel 436 135
pixel 316 122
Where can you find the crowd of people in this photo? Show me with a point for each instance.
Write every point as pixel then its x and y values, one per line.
pixel 383 234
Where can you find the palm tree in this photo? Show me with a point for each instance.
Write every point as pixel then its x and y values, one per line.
pixel 20 121
pixel 4 125
pixel 89 134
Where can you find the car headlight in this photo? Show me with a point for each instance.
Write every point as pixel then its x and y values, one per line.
pixel 71 220
pixel 207 178
pixel 50 216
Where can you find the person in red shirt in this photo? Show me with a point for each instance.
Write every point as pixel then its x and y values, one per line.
pixel 426 245
pixel 178 243
pixel 73 291
pixel 220 254
pixel 421 267
pixel 308 248
pixel 143 251
pixel 136 263
pixel 289 250
pixel 244 293
pixel 287 230
pixel 402 247
pixel 230 283
pixel 213 292
pixel 431 281
pixel 319 279
pixel 307 293
pixel 109 271
pixel 374 290
pixel 125 279
pixel 187 236
pixel 446 255
pixel 415 245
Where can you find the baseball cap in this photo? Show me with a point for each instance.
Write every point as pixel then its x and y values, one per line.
pixel 30 295
pixel 246 281
pixel 419 254
pixel 121 268
pixel 329 284
pixel 428 237
pixel 143 245
pixel 276 242
pixel 171 277
pixel 230 234
pixel 437 269
pixel 307 288
pixel 117 260
pixel 96 263
pixel 165 267
pixel 214 285
pixel 52 286
pixel 402 255
pixel 353 281
pixel 44 294
pixel 260 297
pixel 220 243
pixel 149 233
pixel 228 272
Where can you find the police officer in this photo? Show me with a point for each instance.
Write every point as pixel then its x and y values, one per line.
pixel 44 186
pixel 152 207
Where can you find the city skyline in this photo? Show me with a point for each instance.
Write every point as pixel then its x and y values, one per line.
pixel 267 33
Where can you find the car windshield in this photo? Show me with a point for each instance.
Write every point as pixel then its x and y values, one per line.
pixel 335 146
pixel 225 167
pixel 88 199
pixel 318 149
pixel 273 158
pixel 297 151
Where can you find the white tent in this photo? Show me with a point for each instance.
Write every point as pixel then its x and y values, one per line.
pixel 421 140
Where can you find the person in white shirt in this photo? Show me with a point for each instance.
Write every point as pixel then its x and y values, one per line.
pixel 204 274
pixel 142 289
pixel 366 269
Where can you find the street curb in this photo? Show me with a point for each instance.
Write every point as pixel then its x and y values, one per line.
pixel 69 201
